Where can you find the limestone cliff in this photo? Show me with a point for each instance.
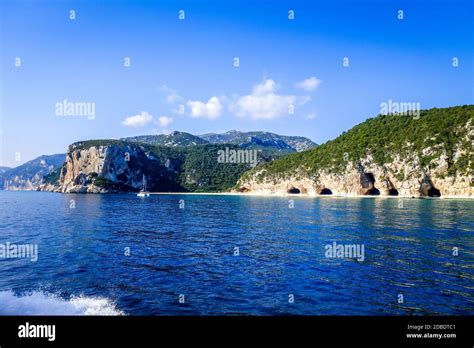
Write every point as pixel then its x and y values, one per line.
pixel 111 168
pixel 366 179
pixel 387 155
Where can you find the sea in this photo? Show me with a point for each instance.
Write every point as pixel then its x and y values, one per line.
pixel 186 254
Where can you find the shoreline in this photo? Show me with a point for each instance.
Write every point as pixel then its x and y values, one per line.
pixel 250 194
pixel 304 195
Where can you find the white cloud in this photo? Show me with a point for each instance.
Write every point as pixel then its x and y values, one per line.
pixel 267 86
pixel 310 84
pixel 310 116
pixel 211 110
pixel 164 121
pixel 171 95
pixel 265 103
pixel 140 120
pixel 174 98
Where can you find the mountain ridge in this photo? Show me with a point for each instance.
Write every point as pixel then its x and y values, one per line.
pixel 244 139
pixel 247 139
pixel 29 175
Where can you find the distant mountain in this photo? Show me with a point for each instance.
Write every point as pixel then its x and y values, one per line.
pixel 257 140
pixel 261 139
pixel 29 176
pixel 173 139
pixel 3 170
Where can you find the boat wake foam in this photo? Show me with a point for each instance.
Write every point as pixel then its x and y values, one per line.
pixel 39 303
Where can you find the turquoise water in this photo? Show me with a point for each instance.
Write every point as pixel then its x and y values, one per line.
pixel 235 255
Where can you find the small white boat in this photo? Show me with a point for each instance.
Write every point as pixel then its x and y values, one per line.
pixel 143 192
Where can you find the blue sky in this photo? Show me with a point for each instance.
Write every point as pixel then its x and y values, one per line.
pixel 190 62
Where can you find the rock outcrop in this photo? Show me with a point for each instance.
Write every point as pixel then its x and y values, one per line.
pixel 386 155
pixel 113 168
pixel 402 177
pixel 373 181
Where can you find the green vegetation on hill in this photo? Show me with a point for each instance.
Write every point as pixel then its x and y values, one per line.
pixel 53 177
pixel 83 145
pixel 201 172
pixel 437 131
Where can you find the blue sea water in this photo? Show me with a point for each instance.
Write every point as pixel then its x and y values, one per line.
pixel 82 267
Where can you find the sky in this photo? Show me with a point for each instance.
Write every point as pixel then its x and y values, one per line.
pixel 182 75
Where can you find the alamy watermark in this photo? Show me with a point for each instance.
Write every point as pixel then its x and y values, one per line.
pixel 345 251
pixel 68 108
pixel 25 251
pixel 37 331
pixel 238 156
pixel 391 107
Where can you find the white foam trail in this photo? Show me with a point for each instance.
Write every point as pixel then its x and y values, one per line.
pixel 39 303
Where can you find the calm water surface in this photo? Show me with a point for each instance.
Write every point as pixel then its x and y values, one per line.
pixel 82 267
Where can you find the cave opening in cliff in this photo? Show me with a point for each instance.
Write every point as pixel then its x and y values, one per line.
pixel 325 191
pixel 434 192
pixel 372 192
pixel 393 192
pixel 293 191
